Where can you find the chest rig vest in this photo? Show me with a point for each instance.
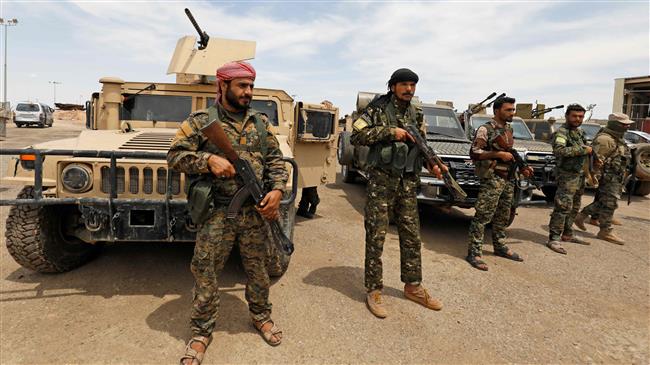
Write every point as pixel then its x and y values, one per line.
pixel 396 158
pixel 505 139
pixel 572 164
pixel 617 160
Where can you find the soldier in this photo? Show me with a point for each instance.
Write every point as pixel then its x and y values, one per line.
pixel 393 177
pixel 612 156
pixel 571 153
pixel 191 153
pixel 496 194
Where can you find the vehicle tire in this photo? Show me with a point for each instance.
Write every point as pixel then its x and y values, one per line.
pixel 549 192
pixel 278 262
pixel 36 241
pixel 642 188
pixel 345 152
pixel 348 176
pixel 642 155
pixel 18 125
pixel 41 125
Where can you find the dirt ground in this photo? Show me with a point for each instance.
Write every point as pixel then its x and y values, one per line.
pixel 131 305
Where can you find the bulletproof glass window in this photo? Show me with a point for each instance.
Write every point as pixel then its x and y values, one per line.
pixel 315 124
pixel 267 107
pixel 160 108
pixel 442 122
pixel 27 108
pixel 520 130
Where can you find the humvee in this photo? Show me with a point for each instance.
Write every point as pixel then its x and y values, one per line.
pixel 112 183
pixel 446 136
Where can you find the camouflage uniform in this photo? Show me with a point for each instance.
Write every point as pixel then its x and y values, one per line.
pixel 496 194
pixel 610 148
pixel 570 150
pixel 398 190
pixel 189 153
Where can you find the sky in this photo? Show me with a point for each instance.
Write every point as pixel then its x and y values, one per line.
pixel 551 52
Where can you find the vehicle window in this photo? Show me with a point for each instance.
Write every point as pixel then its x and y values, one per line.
pixel 268 107
pixel 163 108
pixel 442 121
pixel 590 130
pixel 519 130
pixel 631 137
pixel 543 131
pixel 27 108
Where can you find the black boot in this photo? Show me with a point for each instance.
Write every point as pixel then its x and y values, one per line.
pixel 303 206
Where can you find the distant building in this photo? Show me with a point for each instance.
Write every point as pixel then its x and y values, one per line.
pixel 632 97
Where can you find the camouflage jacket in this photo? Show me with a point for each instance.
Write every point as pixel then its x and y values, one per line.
pixel 378 122
pixel 190 150
pixel 612 151
pixel 570 149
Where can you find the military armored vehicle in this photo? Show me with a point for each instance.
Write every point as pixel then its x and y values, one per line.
pixel 112 183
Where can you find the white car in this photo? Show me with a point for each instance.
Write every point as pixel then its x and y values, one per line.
pixel 634 137
pixel 27 113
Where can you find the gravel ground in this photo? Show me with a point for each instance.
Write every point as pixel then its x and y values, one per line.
pixel 131 305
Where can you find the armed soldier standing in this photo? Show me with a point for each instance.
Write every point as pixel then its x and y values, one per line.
pixel 571 154
pixel 613 156
pixel 496 194
pixel 393 177
pixel 192 153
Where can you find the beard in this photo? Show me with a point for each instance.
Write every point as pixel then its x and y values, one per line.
pixel 237 103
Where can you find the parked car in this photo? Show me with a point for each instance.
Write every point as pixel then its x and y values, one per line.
pixel 27 113
pixel 635 137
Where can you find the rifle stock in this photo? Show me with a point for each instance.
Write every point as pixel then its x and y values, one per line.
pixel 432 158
pixel 251 186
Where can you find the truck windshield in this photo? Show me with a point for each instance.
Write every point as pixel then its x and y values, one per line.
pixel 519 129
pixel 160 108
pixel 27 107
pixel 268 107
pixel 443 122
pixel 590 130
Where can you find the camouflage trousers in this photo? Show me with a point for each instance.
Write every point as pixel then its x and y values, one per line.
pixel 605 202
pixel 495 198
pixel 399 193
pixel 214 241
pixel 570 188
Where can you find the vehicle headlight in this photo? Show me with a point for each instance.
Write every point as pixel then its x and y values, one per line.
pixel 523 184
pixel 77 178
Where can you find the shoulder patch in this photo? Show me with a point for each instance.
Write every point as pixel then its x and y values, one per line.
pixel 361 123
pixel 560 139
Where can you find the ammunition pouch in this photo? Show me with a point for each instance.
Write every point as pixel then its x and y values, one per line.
pixel 200 199
pixel 484 168
pixel 395 158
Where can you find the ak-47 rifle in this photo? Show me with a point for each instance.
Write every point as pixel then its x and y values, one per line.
pixel 588 170
pixel 252 187
pixel 518 164
pixel 632 181
pixel 203 36
pixel 432 158
pixel 536 113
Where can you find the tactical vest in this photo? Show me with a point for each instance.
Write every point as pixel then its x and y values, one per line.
pixel 617 160
pixel 395 157
pixel 572 164
pixel 484 168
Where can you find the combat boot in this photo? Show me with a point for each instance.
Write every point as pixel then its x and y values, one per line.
pixel 609 236
pixel 303 211
pixel 580 221
pixel 616 222
pixel 375 304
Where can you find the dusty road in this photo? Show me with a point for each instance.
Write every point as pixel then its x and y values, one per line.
pixel 131 305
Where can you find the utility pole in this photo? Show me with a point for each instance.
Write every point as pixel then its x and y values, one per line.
pixel 6 23
pixel 54 83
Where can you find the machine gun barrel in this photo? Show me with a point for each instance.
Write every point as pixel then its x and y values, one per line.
pixel 476 108
pixel 492 102
pixel 535 113
pixel 204 37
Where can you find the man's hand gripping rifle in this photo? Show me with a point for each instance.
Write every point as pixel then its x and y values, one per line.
pixel 518 164
pixel 252 187
pixel 432 159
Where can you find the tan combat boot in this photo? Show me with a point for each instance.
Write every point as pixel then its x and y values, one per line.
pixel 609 236
pixel 375 304
pixel 580 221
pixel 421 296
pixel 616 222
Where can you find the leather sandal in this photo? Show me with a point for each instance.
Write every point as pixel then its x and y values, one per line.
pixel 556 246
pixel 269 335
pixel 476 262
pixel 195 356
pixel 512 256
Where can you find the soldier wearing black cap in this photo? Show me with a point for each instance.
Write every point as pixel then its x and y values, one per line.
pixel 393 170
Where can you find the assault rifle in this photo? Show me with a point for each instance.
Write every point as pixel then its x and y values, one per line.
pixel 432 158
pixel 518 164
pixel 252 187
pixel 631 186
pixel 203 36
